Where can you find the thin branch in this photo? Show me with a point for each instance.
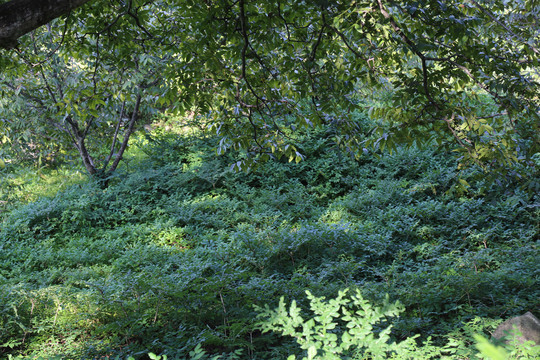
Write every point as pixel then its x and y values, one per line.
pixel 127 134
pixel 138 22
pixel 88 126
pixel 504 113
pixel 79 141
pixel 476 81
pixel 319 39
pixel 69 131
pixel 413 47
pixel 280 15
pixel 514 35
pixel 49 54
pixel 47 86
pixel 96 64
pixel 460 140
pixel 243 22
pixel 246 39
pixel 26 94
pixel 351 49
pixel 115 138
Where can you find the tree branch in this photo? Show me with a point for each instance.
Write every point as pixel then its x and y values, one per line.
pixel 127 134
pixel 514 35
pixel 79 142
pixel 18 17
pixel 115 138
pixel 413 47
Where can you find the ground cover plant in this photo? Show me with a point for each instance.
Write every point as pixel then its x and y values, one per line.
pixel 182 257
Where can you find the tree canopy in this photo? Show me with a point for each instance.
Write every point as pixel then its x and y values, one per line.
pixel 257 71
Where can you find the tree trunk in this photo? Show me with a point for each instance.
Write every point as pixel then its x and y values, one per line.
pixel 86 158
pixel 18 17
pixel 79 143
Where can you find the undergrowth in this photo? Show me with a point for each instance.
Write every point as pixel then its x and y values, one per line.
pixel 181 253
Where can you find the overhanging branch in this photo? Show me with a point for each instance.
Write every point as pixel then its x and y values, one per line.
pixel 18 17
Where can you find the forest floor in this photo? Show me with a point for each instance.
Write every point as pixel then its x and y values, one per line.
pixel 179 255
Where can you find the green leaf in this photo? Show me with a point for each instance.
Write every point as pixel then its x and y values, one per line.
pixel 489 350
pixel 312 352
pixel 464 183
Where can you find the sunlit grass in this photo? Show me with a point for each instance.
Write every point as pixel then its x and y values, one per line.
pixel 22 184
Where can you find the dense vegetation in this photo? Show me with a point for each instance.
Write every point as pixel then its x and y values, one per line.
pixel 179 251
pixel 267 179
pixel 461 73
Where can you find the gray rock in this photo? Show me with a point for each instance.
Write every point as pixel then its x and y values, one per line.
pixel 528 325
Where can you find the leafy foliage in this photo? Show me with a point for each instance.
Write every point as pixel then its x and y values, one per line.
pixel 344 328
pixel 324 337
pixel 67 95
pixel 456 73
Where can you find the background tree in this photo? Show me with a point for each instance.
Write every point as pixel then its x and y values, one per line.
pixel 67 90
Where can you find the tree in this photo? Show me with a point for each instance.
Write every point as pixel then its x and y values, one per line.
pixel 459 74
pixel 62 94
